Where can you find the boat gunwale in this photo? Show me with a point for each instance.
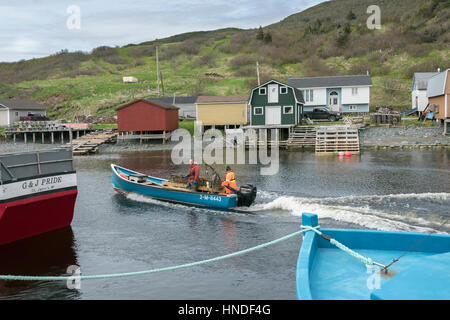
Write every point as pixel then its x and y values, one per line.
pixel 312 241
pixel 158 186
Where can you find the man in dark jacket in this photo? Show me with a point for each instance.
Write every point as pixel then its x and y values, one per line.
pixel 193 174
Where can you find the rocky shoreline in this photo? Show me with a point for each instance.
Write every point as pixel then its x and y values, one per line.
pixel 371 138
pixel 412 137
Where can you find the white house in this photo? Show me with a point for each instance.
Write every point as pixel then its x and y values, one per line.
pixel 346 94
pixel 12 109
pixel 419 86
pixel 130 79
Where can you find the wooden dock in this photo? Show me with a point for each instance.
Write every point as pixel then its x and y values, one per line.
pixel 302 136
pixel 89 143
pixel 335 139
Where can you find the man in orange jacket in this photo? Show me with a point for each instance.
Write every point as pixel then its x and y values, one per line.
pixel 230 181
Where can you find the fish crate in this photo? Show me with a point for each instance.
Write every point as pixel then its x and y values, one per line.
pixel 331 140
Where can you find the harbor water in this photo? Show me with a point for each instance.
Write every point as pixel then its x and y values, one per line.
pixel 113 233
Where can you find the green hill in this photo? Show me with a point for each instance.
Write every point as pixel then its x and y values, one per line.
pixel 328 39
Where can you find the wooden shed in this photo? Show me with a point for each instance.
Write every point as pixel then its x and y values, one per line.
pixel 226 111
pixel 146 119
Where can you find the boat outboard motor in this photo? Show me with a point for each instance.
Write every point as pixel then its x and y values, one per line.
pixel 246 195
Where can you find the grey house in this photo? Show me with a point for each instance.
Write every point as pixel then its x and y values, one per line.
pixel 419 86
pixel 346 94
pixel 186 105
pixel 12 109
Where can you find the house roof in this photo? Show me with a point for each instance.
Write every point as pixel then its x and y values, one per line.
pixel 420 79
pixel 225 99
pixel 178 100
pixel 298 94
pixel 331 81
pixel 164 105
pixel 167 105
pixel 21 104
pixel 436 84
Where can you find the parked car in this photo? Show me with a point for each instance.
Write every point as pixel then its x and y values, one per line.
pixel 34 117
pixel 323 113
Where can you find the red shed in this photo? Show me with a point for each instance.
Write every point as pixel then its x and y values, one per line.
pixel 144 115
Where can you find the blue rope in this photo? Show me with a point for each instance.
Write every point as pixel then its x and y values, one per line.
pixel 137 273
pixel 366 261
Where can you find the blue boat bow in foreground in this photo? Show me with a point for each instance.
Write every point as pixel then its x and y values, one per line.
pixel 325 272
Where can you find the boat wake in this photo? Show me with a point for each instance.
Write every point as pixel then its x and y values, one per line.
pixel 171 205
pixel 384 212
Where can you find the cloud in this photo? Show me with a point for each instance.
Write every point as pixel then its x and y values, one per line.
pixel 38 28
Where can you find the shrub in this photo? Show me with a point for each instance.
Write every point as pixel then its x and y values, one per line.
pixel 208 60
pixel 241 61
pixel 245 72
pixel 317 67
pixel 104 51
pixel 145 51
pixel 115 59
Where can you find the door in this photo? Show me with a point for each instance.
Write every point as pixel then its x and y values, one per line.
pixel 273 93
pixel 333 101
pixel 273 115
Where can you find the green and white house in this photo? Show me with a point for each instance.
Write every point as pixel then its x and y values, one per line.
pixel 346 94
pixel 275 104
pixel 274 108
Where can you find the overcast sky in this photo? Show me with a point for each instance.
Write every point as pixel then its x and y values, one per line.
pixel 37 28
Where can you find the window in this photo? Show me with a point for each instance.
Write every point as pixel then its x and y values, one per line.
pixel 262 91
pixel 354 91
pixel 16 113
pixel 257 111
pixel 352 108
pixel 283 90
pixel 308 95
pixel 288 110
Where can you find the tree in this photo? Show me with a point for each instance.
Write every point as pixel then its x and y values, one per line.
pixel 260 34
pixel 351 15
pixel 267 37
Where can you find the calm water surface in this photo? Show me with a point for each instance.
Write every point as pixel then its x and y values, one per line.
pixel 111 233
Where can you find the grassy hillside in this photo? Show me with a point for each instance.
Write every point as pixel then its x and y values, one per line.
pixel 328 39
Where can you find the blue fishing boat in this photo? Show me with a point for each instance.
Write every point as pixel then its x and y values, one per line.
pixel 129 181
pixel 338 264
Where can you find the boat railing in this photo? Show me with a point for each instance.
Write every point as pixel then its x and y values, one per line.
pixel 15 166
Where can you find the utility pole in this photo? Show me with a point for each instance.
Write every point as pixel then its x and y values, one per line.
pixel 162 83
pixel 157 69
pixel 257 72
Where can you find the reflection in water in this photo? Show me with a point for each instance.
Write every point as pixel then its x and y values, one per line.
pixel 229 232
pixel 387 190
pixel 49 254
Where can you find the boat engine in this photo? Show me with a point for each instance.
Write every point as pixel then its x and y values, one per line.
pixel 246 195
